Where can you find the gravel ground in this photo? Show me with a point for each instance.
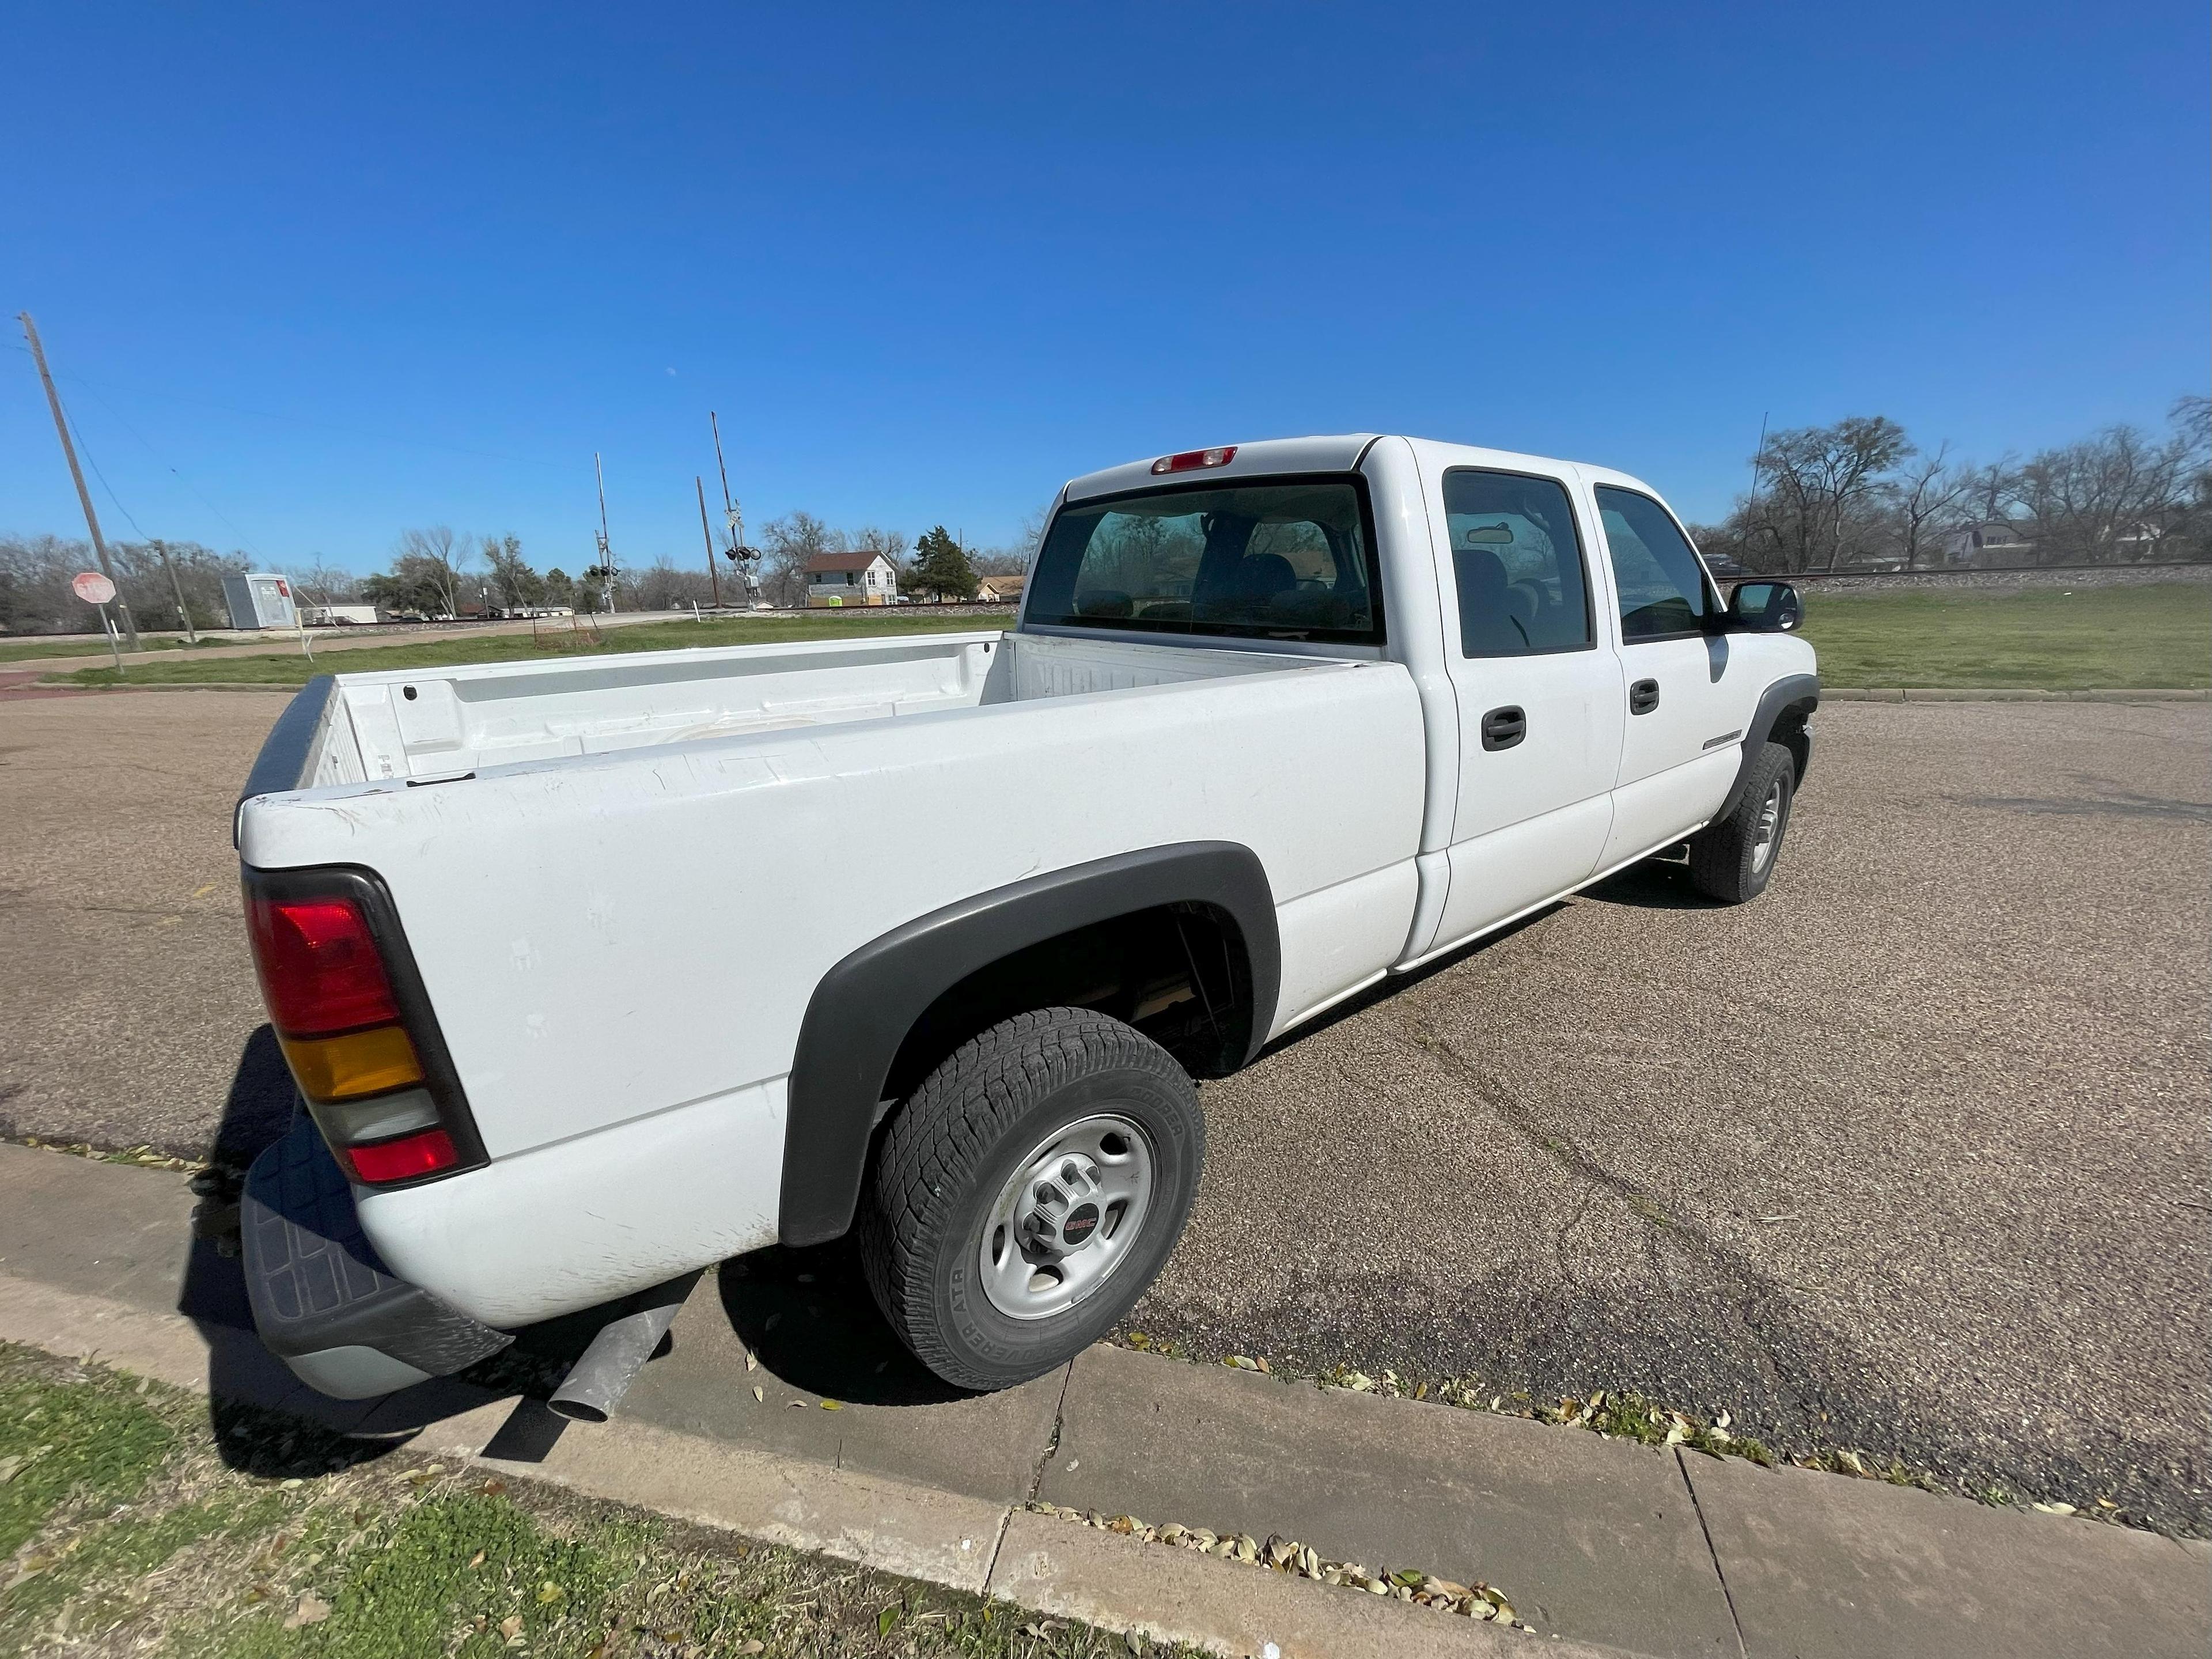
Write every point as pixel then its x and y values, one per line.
pixel 1909 1156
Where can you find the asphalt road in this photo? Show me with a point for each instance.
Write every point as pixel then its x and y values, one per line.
pixel 1908 1156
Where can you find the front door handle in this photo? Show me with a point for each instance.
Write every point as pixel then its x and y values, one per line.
pixel 1503 728
pixel 1643 696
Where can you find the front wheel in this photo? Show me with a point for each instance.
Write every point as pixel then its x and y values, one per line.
pixel 1028 1194
pixel 1732 859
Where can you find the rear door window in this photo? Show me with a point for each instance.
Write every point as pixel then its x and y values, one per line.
pixel 1283 559
pixel 1517 563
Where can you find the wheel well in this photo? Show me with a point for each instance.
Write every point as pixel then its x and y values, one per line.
pixel 1791 731
pixel 1179 973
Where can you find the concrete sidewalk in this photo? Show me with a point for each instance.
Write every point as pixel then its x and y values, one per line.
pixel 1602 1545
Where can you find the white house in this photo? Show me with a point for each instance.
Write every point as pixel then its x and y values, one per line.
pixel 1000 590
pixel 841 578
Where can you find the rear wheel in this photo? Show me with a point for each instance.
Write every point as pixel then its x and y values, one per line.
pixel 1732 859
pixel 1028 1194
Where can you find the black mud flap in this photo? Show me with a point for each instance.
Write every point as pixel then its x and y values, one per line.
pixel 322 1301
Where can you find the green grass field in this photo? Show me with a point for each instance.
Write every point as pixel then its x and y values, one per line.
pixel 2158 635
pixel 288 667
pixel 128 1524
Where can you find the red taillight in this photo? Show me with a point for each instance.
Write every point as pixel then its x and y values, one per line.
pixel 420 1154
pixel 320 972
pixel 1190 460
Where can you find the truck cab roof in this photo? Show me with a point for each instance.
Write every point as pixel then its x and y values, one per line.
pixel 1338 453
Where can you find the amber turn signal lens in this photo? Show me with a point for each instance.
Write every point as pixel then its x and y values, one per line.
pixel 359 1063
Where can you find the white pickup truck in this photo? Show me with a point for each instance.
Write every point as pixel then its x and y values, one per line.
pixel 594 972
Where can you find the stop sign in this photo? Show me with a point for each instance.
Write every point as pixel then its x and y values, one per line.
pixel 93 587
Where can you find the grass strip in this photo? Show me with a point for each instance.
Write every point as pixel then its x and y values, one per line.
pixel 553 642
pixel 2154 636
pixel 138 1520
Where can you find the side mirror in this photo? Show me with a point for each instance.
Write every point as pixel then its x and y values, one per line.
pixel 1766 607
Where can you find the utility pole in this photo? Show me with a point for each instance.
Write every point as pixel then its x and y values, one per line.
pixel 606 557
pixel 706 534
pixel 737 553
pixel 76 472
pixel 184 612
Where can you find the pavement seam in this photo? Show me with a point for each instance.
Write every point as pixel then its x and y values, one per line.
pixel 1719 1572
pixel 1037 1474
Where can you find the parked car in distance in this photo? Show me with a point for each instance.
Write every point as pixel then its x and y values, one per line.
pixel 1275 722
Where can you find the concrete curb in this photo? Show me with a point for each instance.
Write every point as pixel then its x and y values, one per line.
pixel 1998 694
pixel 996 1550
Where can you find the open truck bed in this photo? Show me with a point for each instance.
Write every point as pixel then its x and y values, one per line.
pixel 623 878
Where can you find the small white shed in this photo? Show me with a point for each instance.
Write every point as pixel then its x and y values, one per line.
pixel 260 600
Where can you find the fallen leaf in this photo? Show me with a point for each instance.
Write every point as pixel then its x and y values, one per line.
pixel 833 1405
pixel 751 1363
pixel 476 1560
pixel 759 1392
pixel 549 1593
pixel 511 1626
pixel 312 1610
pixel 2054 1509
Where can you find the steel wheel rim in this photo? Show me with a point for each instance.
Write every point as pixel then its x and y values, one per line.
pixel 1767 828
pixel 1105 1162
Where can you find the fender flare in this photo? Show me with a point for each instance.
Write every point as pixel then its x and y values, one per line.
pixel 864 1006
pixel 1795 694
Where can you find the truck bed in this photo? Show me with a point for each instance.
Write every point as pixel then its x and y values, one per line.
pixel 436 723
pixel 622 878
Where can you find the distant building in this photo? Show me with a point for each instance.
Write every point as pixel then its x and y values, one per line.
pixel 338 616
pixel 1988 542
pixel 999 590
pixel 843 579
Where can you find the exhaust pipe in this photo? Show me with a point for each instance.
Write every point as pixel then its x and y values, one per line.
pixel 602 1375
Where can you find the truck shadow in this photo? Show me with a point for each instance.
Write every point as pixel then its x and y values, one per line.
pixel 810 1318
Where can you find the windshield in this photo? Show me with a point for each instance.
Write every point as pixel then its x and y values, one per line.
pixel 1287 559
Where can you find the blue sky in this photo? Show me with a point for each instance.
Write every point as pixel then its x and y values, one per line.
pixel 311 275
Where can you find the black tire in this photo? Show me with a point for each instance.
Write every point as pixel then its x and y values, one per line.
pixel 1729 859
pixel 954 1147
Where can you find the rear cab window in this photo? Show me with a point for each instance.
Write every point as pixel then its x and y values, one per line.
pixel 1287 558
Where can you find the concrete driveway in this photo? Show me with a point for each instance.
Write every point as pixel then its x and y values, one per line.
pixel 1909 1156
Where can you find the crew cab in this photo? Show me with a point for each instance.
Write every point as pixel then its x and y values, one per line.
pixel 594 972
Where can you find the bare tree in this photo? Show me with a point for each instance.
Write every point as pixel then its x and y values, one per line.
pixel 1925 499
pixel 436 560
pixel 1819 482
pixel 789 542
pixel 2110 497
pixel 1014 557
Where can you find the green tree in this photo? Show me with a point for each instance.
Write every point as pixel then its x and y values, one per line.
pixel 941 566
pixel 513 583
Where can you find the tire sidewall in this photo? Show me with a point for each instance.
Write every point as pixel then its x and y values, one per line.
pixel 1773 776
pixel 995 1344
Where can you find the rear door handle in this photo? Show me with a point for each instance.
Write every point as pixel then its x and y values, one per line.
pixel 1503 728
pixel 1643 696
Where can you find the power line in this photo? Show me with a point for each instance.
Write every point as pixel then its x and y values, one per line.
pixel 303 420
pixel 93 461
pixel 175 472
